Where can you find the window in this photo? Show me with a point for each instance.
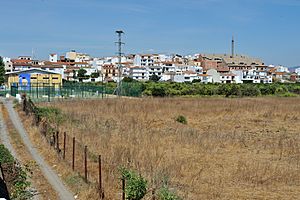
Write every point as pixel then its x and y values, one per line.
pixel 55 78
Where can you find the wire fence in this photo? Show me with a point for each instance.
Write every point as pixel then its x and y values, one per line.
pixel 46 92
pixel 75 154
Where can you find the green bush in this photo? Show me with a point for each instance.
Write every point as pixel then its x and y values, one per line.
pixel 181 119
pixel 54 115
pixel 250 90
pixel 165 194
pixel 5 156
pixel 136 185
pixel 16 176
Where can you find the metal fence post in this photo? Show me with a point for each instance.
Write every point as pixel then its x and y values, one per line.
pixel 57 141
pixel 73 156
pixel 153 194
pixel 123 188
pixel 101 191
pixel 64 153
pixel 85 164
pixel 37 90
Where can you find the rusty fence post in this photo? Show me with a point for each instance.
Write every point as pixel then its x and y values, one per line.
pixel 24 104
pixel 153 194
pixel 123 188
pixel 64 153
pixel 53 143
pixel 73 156
pixel 85 164
pixel 101 191
pixel 57 141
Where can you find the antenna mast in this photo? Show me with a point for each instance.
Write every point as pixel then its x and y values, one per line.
pixel 120 43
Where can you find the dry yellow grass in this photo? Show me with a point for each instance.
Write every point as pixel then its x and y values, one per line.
pixel 230 148
pixel 71 179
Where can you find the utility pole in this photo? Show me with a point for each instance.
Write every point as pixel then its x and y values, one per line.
pixel 120 43
pixel 232 47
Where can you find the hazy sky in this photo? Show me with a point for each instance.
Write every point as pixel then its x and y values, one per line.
pixel 268 29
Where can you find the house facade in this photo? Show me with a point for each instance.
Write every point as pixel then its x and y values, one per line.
pixel 34 77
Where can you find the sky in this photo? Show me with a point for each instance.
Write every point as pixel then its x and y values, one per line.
pixel 266 29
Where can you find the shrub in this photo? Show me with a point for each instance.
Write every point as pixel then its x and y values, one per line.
pixel 181 119
pixel 250 90
pixel 158 91
pixel 154 78
pixel 54 115
pixel 16 175
pixel 165 194
pixel 128 80
pixel 136 185
pixel 5 156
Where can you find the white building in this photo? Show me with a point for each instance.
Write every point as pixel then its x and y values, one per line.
pixel 143 60
pixel 205 78
pixel 281 68
pixel 168 76
pixel 53 57
pixel 155 70
pixel 215 75
pixel 187 76
pixel 227 78
pixel 139 73
pixel 8 64
pixel 297 71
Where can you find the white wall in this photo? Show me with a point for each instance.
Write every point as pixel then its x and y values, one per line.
pixel 215 75
pixel 297 71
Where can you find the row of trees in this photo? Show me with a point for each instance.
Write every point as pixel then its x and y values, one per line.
pixel 132 87
pixel 239 90
pixel 2 71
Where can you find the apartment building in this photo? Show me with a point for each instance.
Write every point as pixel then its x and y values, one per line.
pixel 143 60
pixel 139 73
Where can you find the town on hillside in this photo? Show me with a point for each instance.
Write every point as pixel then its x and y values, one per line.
pixel 203 68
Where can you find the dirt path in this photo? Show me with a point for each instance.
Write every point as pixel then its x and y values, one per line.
pixel 5 138
pixel 49 174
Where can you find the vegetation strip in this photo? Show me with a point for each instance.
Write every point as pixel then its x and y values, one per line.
pixel 47 171
pixel 44 189
pixel 14 174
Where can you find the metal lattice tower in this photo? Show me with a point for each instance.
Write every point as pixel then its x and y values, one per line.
pixel 232 47
pixel 119 43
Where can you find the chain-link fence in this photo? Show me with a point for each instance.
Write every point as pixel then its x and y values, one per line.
pixel 46 92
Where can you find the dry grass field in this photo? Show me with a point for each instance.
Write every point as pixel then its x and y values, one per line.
pixel 245 148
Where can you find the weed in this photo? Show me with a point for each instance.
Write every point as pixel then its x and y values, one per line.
pixel 181 119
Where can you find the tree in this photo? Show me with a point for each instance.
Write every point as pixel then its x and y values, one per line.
pixel 154 78
pixel 128 80
pixel 81 74
pixel 2 71
pixel 95 75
